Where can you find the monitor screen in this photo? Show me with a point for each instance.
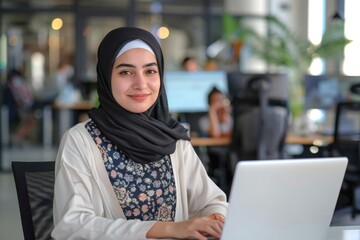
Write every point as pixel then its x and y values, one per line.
pixel 322 93
pixel 187 91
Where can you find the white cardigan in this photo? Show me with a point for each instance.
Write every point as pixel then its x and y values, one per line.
pixel 85 205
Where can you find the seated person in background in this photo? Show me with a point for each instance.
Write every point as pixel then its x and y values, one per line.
pixel 217 123
pixel 20 100
pixel 189 64
pixel 130 171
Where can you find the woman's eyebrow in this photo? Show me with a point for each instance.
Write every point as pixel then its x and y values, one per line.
pixel 125 65
pixel 150 64
pixel 133 66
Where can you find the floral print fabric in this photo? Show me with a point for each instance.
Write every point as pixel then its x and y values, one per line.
pixel 144 191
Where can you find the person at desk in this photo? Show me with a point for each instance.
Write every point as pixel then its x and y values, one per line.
pixel 130 171
pixel 189 64
pixel 217 123
pixel 22 106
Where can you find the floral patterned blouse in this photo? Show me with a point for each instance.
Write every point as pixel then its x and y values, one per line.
pixel 144 191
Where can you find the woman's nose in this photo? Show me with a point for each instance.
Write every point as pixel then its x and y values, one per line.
pixel 140 81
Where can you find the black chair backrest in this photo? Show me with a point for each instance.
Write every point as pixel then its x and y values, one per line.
pixel 34 183
pixel 347 122
pixel 347 132
pixel 260 123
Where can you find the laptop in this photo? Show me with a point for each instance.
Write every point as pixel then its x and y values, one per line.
pixel 288 199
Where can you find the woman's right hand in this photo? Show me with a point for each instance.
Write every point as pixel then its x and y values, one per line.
pixel 196 228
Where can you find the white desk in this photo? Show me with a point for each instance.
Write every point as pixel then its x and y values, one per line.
pixel 344 233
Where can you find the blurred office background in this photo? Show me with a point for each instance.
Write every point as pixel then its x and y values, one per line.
pixel 39 37
pixel 53 43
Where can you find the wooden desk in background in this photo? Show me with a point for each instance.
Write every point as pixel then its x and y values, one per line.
pixel 82 105
pixel 209 141
pixel 291 138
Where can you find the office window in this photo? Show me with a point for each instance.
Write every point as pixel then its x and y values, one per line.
pixel 30 40
pixel 352 50
pixel 104 4
pixel 24 4
pixel 186 36
pixel 94 30
pixel 316 28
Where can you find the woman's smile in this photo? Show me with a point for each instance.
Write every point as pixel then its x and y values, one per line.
pixel 139 97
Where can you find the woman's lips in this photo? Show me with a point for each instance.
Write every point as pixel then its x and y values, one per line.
pixel 139 97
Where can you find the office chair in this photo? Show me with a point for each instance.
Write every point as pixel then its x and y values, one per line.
pixel 260 125
pixel 34 183
pixel 347 143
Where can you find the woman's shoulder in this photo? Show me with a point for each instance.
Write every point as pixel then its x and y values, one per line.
pixel 76 133
pixel 75 140
pixel 181 143
pixel 79 127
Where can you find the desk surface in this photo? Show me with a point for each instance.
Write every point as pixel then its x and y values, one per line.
pixel 83 105
pixel 318 140
pixel 340 233
pixel 344 233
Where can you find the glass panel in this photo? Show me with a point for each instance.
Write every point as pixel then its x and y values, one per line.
pixel 109 4
pixel 179 6
pixel 23 4
pixel 217 6
pixel 94 31
pixel 186 37
pixel 64 3
pixel 35 48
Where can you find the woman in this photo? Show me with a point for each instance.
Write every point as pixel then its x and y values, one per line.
pixel 130 172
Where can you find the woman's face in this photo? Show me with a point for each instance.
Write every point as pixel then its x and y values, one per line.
pixel 135 80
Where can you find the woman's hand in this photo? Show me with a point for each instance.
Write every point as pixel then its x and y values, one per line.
pixel 196 228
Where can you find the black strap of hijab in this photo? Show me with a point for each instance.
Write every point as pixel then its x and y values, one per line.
pixel 144 137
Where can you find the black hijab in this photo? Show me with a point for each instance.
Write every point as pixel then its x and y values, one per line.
pixel 143 137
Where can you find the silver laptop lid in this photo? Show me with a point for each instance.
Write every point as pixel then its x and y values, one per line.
pixel 292 199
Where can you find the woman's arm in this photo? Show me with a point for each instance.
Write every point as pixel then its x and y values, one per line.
pixel 203 195
pixel 197 228
pixel 198 195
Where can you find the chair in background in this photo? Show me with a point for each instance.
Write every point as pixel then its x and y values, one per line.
pixel 347 143
pixel 260 125
pixel 34 183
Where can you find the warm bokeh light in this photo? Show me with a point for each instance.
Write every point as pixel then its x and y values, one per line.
pixel 163 32
pixel 314 149
pixel 57 23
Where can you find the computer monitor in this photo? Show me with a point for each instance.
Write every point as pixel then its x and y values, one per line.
pixel 325 91
pixel 322 93
pixel 279 84
pixel 187 91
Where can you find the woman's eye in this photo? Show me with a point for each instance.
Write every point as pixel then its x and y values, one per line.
pixel 152 71
pixel 125 72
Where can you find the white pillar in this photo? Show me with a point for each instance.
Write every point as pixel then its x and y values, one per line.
pixel 249 62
